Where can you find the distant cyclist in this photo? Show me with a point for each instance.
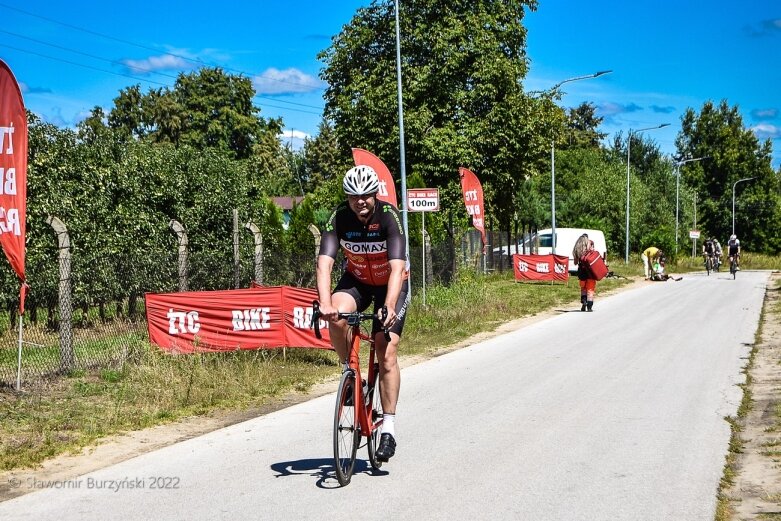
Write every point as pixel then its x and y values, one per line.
pixel 717 251
pixel 733 249
pixel 708 249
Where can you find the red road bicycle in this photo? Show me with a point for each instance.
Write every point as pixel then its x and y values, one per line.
pixel 358 411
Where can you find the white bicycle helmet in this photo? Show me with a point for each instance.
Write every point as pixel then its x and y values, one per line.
pixel 733 237
pixel 361 180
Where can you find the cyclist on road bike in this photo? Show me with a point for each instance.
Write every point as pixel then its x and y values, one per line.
pixel 733 250
pixel 708 249
pixel 371 237
pixel 717 251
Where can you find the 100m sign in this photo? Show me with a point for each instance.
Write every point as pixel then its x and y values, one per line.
pixel 423 200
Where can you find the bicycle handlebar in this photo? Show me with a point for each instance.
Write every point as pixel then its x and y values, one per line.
pixel 352 319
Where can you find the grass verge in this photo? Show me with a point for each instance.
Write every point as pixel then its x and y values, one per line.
pixel 155 388
pixel 724 510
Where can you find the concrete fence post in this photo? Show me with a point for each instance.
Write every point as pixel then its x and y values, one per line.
pixel 236 255
pixel 67 357
pixel 258 261
pixel 181 234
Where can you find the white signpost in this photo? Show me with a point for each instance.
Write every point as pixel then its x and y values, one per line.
pixel 423 200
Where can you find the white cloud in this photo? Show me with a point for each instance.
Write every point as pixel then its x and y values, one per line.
pixel 157 63
pixel 611 109
pixel 295 134
pixel 764 113
pixel 294 138
pixel 275 81
pixel 767 131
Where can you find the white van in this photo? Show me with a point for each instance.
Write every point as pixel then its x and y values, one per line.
pixel 565 241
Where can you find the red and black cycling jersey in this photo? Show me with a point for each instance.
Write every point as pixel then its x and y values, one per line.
pixel 368 247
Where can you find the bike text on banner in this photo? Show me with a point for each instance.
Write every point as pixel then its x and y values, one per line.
pixel 229 320
pixel 541 267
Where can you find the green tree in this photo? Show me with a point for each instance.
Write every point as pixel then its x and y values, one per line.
pixel 734 152
pixel 204 109
pixel 323 164
pixel 462 68
pixel 582 128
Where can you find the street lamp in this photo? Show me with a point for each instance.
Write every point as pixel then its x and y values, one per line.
pixel 678 165
pixel 553 159
pixel 628 148
pixel 402 165
pixel 733 199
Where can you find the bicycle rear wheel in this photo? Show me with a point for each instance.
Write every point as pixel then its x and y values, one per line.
pixel 376 416
pixel 346 431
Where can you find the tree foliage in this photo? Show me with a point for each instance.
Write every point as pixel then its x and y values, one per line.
pixel 734 153
pixel 204 109
pixel 462 69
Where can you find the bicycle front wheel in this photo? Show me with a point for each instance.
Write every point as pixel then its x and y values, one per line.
pixel 376 417
pixel 346 432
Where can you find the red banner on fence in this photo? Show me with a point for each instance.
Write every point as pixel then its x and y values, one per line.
pixel 473 199
pixel 541 267
pixel 387 191
pixel 13 173
pixel 254 318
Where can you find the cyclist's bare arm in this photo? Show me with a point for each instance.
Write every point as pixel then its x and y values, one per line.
pixel 325 265
pixel 395 281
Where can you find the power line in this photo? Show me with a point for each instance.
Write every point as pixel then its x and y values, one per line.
pixel 80 64
pixel 136 77
pixel 152 49
pixel 116 62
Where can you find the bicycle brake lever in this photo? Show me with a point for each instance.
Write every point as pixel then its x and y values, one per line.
pixel 316 319
pixel 384 315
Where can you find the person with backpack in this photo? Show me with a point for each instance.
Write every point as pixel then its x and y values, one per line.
pixel 586 279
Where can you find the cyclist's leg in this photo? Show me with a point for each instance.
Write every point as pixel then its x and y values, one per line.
pixel 387 351
pixel 390 375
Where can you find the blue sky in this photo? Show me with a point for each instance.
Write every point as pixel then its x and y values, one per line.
pixel 666 56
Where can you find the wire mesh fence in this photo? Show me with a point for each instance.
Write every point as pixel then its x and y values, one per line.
pixel 87 312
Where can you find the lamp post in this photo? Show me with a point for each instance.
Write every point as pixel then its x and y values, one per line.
pixel 553 159
pixel 678 165
pixel 402 166
pixel 628 149
pixel 733 199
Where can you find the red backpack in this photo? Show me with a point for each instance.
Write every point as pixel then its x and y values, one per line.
pixel 596 264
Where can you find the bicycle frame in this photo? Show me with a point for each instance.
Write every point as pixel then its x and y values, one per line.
pixel 366 418
pixel 354 364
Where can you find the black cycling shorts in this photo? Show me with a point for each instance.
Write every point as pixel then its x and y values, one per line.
pixel 364 294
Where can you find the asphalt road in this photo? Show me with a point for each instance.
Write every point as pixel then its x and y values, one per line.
pixel 612 415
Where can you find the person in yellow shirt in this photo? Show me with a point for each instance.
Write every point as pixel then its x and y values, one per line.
pixel 651 254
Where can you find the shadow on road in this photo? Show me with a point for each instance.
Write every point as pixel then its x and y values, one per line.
pixel 322 469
